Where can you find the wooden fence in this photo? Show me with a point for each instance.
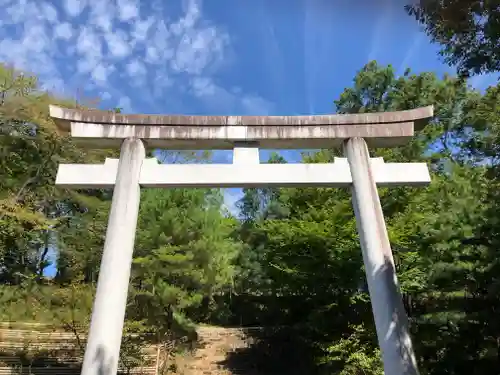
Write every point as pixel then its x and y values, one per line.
pixel 37 349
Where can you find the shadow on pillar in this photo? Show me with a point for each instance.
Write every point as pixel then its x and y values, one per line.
pixel 399 317
pixel 103 363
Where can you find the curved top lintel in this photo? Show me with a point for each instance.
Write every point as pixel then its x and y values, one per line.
pixel 63 118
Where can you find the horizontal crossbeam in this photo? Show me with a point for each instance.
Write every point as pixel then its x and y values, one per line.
pixel 101 129
pixel 337 174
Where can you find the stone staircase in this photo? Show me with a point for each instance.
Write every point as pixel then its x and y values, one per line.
pixel 49 352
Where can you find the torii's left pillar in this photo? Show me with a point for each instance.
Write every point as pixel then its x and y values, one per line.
pixel 108 314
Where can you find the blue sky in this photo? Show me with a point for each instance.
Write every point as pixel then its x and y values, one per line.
pixel 212 57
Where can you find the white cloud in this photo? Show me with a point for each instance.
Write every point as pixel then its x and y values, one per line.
pixel 159 49
pixel 135 68
pixel 117 43
pixel 49 12
pixel 203 86
pixel 54 85
pixel 102 14
pixel 33 50
pixel 137 73
pixel 74 7
pixel 88 40
pixel 255 105
pixel 106 95
pixel 125 104
pixel 128 9
pixel 141 29
pixel 35 39
pixel 87 46
pixel 192 56
pixel 162 83
pixel 63 31
pixel 220 99
pixel 18 11
pixel 188 21
pixel 152 54
pixel 101 72
pixel 199 45
pixel 90 55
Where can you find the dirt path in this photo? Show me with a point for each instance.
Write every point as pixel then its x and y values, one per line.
pixel 215 345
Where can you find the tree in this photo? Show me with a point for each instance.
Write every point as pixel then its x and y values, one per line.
pixel 432 230
pixel 312 253
pixel 184 256
pixel 469 32
pixel 32 208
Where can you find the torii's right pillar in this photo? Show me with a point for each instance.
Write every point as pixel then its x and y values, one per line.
pixel 391 321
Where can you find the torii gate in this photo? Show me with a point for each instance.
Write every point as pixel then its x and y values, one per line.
pixel 245 135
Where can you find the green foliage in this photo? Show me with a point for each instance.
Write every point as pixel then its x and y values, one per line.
pixel 468 31
pixel 184 256
pixel 293 262
pixel 31 208
pixel 311 250
pixel 354 356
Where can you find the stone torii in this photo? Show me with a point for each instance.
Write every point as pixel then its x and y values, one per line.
pixel 245 135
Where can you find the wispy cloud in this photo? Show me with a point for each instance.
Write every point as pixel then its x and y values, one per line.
pixel 219 98
pixel 387 8
pixel 410 53
pixel 120 48
pixel 319 25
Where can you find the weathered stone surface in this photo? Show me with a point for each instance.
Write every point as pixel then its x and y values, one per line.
pixel 104 129
pixel 64 116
